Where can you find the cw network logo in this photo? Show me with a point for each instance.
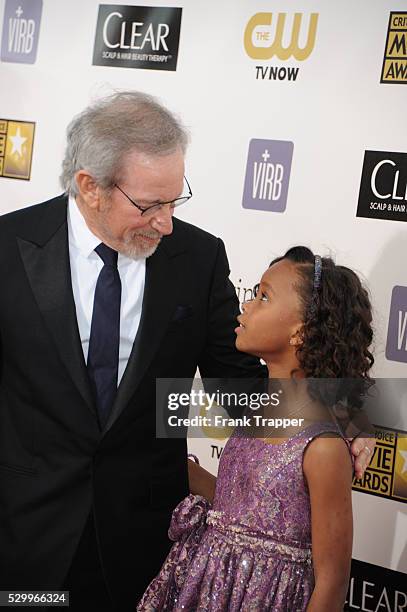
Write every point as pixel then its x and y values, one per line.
pixel 263 39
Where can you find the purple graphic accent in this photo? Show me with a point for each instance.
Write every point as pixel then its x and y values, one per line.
pixel 396 347
pixel 21 27
pixel 267 174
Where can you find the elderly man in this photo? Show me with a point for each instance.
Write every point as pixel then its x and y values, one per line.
pixel 103 292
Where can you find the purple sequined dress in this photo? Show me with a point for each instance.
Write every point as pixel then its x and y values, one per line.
pixel 250 551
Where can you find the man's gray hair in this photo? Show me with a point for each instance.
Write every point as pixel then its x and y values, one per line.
pixel 99 138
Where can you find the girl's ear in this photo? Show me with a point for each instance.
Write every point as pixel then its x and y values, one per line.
pixel 296 338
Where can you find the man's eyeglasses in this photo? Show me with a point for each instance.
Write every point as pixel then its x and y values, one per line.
pixel 151 210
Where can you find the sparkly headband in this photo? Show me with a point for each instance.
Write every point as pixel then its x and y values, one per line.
pixel 317 272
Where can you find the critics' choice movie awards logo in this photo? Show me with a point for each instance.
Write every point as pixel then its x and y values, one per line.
pixel 395 54
pixel 285 37
pixel 375 588
pixel 16 145
pixel 267 175
pixel 21 27
pixel 383 187
pixel 396 346
pixel 386 475
pixel 137 37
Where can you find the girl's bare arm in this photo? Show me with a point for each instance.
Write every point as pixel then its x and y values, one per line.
pixel 328 470
pixel 201 482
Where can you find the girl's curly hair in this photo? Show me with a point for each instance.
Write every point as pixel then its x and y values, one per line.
pixel 337 331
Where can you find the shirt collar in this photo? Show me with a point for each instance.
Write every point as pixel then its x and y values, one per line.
pixel 80 235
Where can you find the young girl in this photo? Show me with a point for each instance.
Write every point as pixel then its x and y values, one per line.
pixel 278 535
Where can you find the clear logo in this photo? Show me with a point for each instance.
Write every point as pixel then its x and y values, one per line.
pixel 137 37
pixel 383 186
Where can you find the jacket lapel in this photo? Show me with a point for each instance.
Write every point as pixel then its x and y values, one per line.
pixel 45 254
pixel 163 274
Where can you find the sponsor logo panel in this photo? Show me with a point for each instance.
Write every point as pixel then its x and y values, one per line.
pixel 394 68
pixel 396 345
pixel 375 588
pixel 383 186
pixel 21 27
pixel 386 475
pixel 282 36
pixel 267 177
pixel 16 146
pixel 137 37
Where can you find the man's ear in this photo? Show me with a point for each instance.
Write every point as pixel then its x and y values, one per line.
pixel 89 191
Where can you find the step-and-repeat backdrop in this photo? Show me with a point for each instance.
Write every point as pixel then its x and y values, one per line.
pixel 297 112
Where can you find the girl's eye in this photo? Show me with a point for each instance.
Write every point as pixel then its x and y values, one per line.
pixel 264 297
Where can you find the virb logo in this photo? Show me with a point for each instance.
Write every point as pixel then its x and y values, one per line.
pixel 21 27
pixel 267 174
pixel 396 346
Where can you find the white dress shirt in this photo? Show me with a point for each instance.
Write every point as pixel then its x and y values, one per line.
pixel 85 268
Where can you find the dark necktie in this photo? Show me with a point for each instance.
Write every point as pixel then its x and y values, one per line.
pixel 103 355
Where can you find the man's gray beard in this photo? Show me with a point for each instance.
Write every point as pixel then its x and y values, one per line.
pixel 133 248
pixel 135 251
pixel 131 245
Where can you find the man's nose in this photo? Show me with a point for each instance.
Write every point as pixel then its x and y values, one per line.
pixel 162 220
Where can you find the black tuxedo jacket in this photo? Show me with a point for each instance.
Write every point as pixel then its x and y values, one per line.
pixel 56 466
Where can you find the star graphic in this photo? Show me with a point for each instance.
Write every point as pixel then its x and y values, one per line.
pixel 404 455
pixel 18 142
